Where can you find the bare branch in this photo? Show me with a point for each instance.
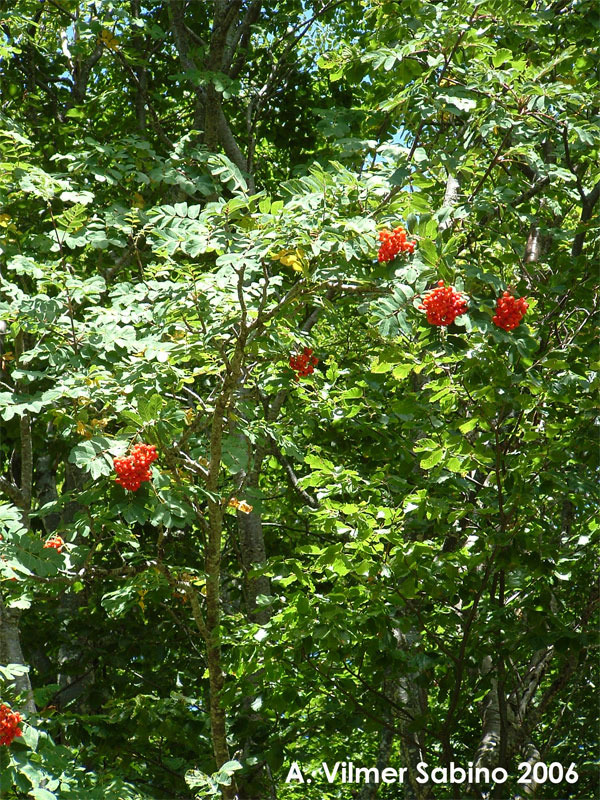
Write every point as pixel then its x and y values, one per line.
pixel 12 492
pixel 64 44
pixel 82 73
pixel 291 475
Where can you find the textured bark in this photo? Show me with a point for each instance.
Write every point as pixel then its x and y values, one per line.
pixel 522 715
pixel 384 751
pixel 487 754
pixel 211 628
pixel 10 640
pixel 531 755
pixel 229 39
pixel 533 246
pixel 11 653
pixel 252 545
pixel 253 554
pixel 180 35
pixel 450 198
pixel 413 699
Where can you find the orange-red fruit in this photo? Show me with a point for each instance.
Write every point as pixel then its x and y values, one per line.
pixel 304 363
pixel 509 311
pixel 443 304
pixel 134 469
pixel 57 542
pixel 392 243
pixel 9 725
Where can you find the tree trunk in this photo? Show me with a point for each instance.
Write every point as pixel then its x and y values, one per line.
pixel 252 545
pixel 11 653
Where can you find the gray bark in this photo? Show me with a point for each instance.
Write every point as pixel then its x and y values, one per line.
pixel 252 544
pixel 386 740
pixel 10 640
pixel 450 198
pixel 413 700
pixel 533 246
pixel 11 652
pixel 488 751
pixel 531 755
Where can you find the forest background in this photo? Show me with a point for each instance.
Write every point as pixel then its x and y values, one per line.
pixel 391 559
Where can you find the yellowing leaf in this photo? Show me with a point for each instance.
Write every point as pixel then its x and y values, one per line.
pixel 83 430
pixel 99 423
pixel 241 505
pixel 293 258
pixel 109 40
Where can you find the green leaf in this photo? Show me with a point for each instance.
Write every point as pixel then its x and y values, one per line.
pixel 429 252
pixel 352 394
pixel 77 112
pixel 381 366
pixel 432 459
pixel 92 456
pixel 31 737
pixel 500 56
pixel 42 794
pixel 402 371
pixel 468 425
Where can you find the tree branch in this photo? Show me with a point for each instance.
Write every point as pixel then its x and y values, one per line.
pixel 308 499
pixel 13 492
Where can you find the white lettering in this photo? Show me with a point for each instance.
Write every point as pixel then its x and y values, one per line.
pixel 294 774
pixel 330 775
pixel 390 775
pixel 371 775
pixel 482 775
pixel 457 774
pixel 422 777
pixel 439 775
pixel 499 775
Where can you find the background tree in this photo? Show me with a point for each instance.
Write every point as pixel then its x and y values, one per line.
pixel 388 560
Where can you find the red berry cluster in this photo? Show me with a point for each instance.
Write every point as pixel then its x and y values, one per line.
pixel 9 725
pixel 57 542
pixel 392 243
pixel 304 363
pixel 134 469
pixel 509 311
pixel 443 304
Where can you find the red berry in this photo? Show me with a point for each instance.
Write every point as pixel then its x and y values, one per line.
pixel 133 470
pixel 304 363
pixel 509 311
pixel 9 725
pixel 57 542
pixel 443 304
pixel 392 243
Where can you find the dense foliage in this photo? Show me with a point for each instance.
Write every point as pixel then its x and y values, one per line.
pixel 298 398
